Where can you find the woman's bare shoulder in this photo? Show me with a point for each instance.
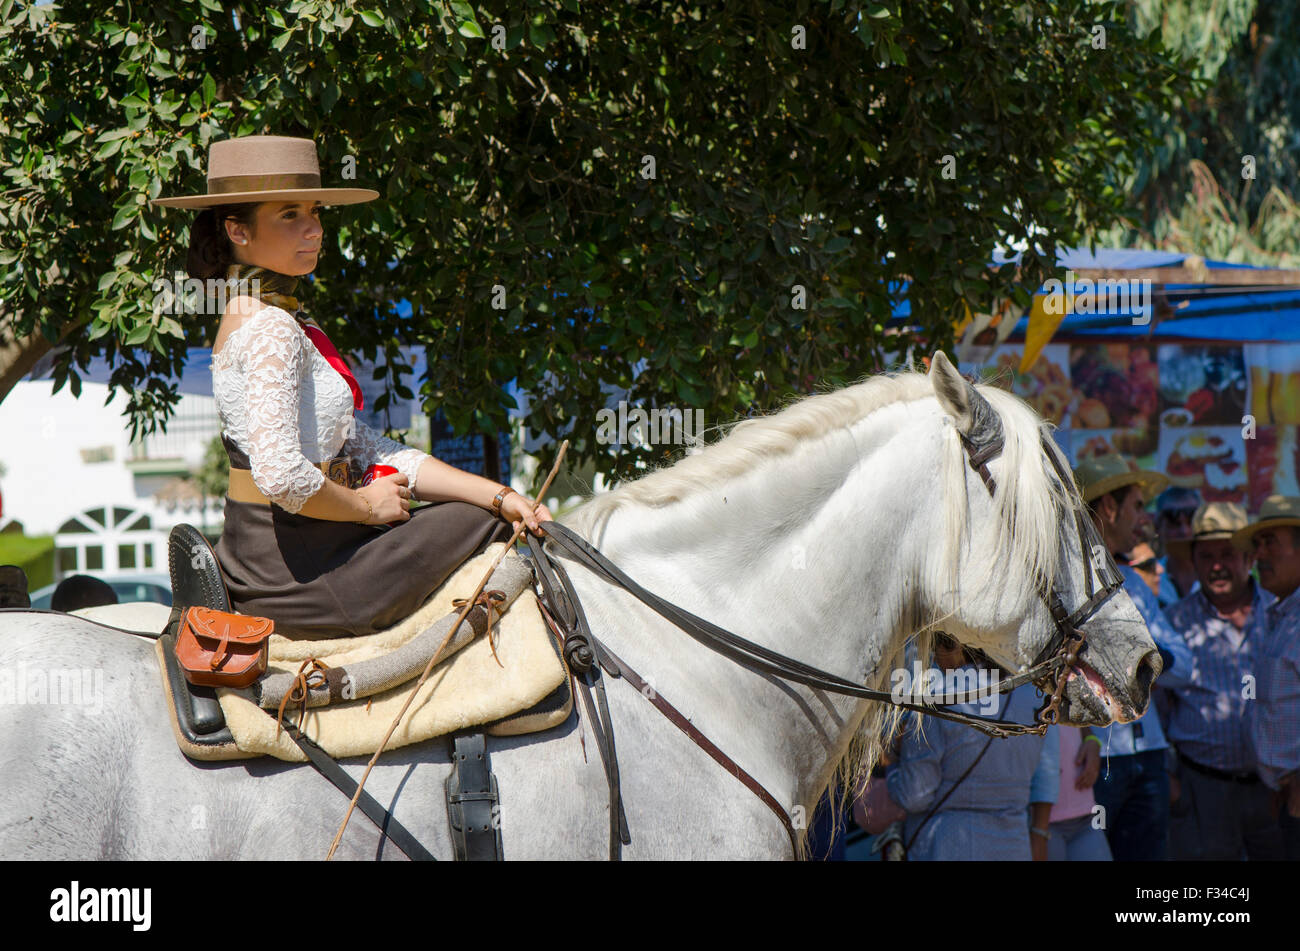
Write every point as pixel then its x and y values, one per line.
pixel 241 308
pixel 239 311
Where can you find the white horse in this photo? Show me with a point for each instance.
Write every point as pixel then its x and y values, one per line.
pixel 831 532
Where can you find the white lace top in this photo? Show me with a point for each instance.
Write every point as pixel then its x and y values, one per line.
pixel 282 403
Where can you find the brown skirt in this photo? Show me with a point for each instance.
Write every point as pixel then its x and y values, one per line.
pixel 318 578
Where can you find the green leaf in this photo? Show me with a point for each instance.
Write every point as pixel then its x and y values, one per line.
pixel 470 28
pixel 124 215
pixel 209 89
pixel 371 18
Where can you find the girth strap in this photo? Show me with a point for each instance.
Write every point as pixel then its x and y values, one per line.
pixel 472 801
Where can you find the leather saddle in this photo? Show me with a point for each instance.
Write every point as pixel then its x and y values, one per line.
pixel 199 720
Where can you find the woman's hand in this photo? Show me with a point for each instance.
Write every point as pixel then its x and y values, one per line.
pixel 389 497
pixel 515 507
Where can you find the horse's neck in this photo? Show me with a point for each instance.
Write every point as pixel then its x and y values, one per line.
pixel 805 556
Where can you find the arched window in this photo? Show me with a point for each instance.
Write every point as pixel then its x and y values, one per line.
pixel 108 541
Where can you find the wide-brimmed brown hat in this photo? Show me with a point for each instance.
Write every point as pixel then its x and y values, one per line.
pixel 1212 521
pixel 257 168
pixel 1277 511
pixel 1107 473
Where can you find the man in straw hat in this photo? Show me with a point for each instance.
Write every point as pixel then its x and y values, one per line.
pixel 1275 715
pixel 1220 809
pixel 1134 791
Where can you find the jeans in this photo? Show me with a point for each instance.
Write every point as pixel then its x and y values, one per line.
pixel 1218 820
pixel 1134 792
pixel 1075 840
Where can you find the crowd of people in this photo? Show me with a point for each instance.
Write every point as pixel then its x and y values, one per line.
pixel 1209 772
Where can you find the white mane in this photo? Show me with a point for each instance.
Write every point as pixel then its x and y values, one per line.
pixel 1027 496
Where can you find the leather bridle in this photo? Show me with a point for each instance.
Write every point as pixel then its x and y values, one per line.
pixel 586 657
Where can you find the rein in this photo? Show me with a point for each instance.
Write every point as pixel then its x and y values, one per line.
pixel 587 657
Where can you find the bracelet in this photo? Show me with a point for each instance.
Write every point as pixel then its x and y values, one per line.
pixel 1094 737
pixel 1040 832
pixel 500 497
pixel 369 507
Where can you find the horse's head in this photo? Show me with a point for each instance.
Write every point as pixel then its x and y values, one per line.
pixel 1030 565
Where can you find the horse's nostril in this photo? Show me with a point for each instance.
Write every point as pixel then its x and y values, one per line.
pixel 1146 672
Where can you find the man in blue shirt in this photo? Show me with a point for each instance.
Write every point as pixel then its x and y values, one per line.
pixel 1133 789
pixel 1275 716
pixel 1220 810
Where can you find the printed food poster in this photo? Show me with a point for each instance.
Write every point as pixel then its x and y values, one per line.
pixel 1210 459
pixel 1140 445
pixel 1172 408
pixel 1271 463
pixel 1115 385
pixel 1201 386
pixel 1046 387
pixel 1274 374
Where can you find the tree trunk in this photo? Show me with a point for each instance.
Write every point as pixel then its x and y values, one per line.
pixel 19 354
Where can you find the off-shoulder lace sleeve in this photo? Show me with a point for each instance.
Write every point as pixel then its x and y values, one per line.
pixel 371 447
pixel 273 362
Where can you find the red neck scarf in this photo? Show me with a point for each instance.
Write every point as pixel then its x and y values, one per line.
pixel 331 355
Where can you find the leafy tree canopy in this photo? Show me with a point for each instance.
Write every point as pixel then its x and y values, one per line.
pixel 712 205
pixel 1221 183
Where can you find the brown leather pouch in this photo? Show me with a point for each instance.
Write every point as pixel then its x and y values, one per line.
pixel 220 649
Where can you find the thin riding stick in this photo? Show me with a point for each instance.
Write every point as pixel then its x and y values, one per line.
pixel 428 668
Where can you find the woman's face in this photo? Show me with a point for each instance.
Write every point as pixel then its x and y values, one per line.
pixel 286 237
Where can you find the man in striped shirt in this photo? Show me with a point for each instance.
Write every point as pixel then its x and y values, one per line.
pixel 1220 811
pixel 1275 716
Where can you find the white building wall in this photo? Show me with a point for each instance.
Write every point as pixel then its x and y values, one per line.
pixel 65 456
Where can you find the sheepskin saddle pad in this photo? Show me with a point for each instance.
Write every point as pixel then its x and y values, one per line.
pixel 366 680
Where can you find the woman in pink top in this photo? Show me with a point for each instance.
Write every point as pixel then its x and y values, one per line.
pixel 1076 834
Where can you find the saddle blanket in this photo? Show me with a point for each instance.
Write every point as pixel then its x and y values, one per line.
pixel 467 689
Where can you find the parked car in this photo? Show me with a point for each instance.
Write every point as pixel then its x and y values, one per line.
pixel 144 586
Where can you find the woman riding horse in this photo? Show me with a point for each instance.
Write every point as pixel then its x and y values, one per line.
pixel 304 543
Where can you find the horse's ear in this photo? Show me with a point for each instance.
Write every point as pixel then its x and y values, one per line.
pixel 970 411
pixel 953 391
